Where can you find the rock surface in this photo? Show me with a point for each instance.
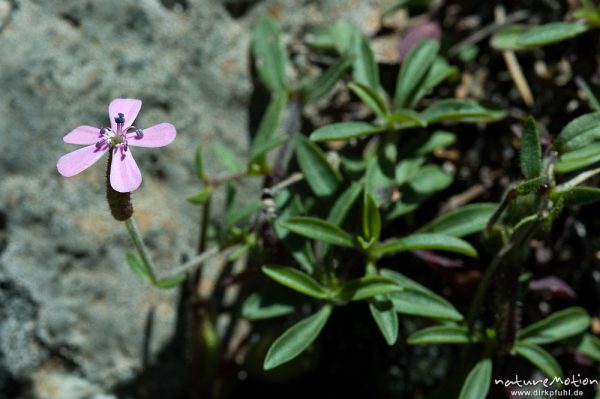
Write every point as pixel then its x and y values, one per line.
pixel 72 315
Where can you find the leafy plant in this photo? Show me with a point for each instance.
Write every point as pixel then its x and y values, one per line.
pixel 326 241
pixel 342 210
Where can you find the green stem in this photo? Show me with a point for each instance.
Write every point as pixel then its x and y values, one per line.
pixel 520 238
pixel 194 262
pixel 508 198
pixel 490 272
pixel 138 242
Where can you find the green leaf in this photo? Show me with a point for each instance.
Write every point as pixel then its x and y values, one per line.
pixel 578 133
pixel 532 185
pixel 269 302
pixel 418 303
pixel 588 12
pixel 344 131
pixel 170 282
pixel 268 126
pixel 385 316
pixel 239 252
pixel 589 93
pixel 416 299
pixel 578 159
pixel 343 34
pixel 460 110
pixel 477 384
pixel 550 33
pixel 508 38
pixel 422 183
pixel 461 222
pixel 138 266
pixel 439 71
pixel 227 157
pixel 265 147
pixel 468 52
pixel 343 204
pixel 431 179
pixel 531 150
pixel 371 218
pixel 321 38
pixel 539 358
pixel 364 68
pixel 426 142
pixel 238 213
pixel 406 282
pixel 370 97
pixel 413 71
pixel 408 169
pixel 320 230
pixel 254 309
pixel 439 242
pixel 578 195
pixel 379 178
pixel 296 280
pixel 199 163
pixel 320 175
pixel 298 246
pixel 269 54
pixel 395 6
pixel 297 338
pixel 407 118
pixel 328 79
pixel 443 334
pixel 202 196
pixel 555 327
pixel 367 287
pixel 588 345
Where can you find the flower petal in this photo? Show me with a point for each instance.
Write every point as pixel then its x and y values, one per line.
pixel 155 136
pixel 79 160
pixel 83 135
pixel 130 107
pixel 125 176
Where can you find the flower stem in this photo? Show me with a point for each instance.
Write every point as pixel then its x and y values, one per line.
pixel 491 270
pixel 138 242
pixel 192 263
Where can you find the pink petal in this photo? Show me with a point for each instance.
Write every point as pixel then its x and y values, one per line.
pixel 554 285
pixel 83 135
pixel 130 107
pixel 155 136
pixel 426 30
pixel 125 176
pixel 79 160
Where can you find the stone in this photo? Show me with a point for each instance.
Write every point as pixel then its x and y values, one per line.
pixel 72 314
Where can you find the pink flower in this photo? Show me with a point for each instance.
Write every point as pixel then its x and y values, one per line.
pixel 125 175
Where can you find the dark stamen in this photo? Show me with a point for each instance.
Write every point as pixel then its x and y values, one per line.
pixel 120 118
pixel 139 133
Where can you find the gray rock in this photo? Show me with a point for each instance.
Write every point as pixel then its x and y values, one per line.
pixel 72 315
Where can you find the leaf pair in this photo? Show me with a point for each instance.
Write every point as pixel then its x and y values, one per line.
pixel 299 337
pixel 354 290
pixel 558 326
pixel 321 230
